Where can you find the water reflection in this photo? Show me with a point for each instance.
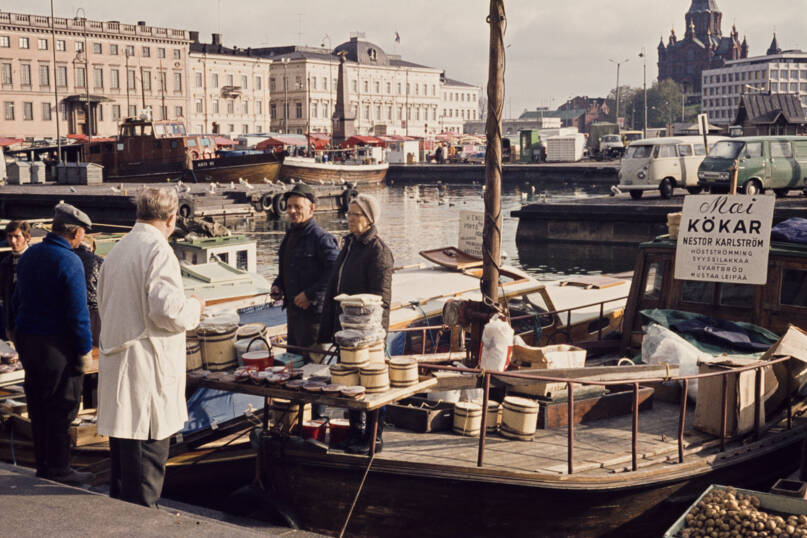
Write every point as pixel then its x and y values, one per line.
pixel 426 216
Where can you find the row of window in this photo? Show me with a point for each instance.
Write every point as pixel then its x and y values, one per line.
pixel 97 48
pixel 80 77
pixel 459 96
pixel 784 74
pixel 10 111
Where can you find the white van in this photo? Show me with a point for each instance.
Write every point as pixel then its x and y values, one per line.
pixel 663 164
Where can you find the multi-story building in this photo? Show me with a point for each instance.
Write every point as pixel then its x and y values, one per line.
pixel 229 89
pixel 118 68
pixel 460 103
pixel 778 71
pixel 387 95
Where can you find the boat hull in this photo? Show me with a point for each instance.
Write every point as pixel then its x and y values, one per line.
pixel 251 168
pixel 313 173
pixel 405 499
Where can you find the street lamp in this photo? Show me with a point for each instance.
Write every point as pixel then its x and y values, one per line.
pixel 86 71
pixel 618 64
pixel 643 56
pixel 285 62
pixel 330 75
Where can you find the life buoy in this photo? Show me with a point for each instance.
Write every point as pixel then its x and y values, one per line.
pixel 279 205
pixel 266 202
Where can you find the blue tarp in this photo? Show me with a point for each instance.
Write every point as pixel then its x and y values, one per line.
pixel 209 405
pixel 792 230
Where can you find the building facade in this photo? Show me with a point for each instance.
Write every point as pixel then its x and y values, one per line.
pixel 703 47
pixel 118 68
pixel 459 104
pixel 777 72
pixel 229 89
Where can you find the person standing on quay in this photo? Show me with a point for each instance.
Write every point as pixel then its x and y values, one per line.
pixel 92 269
pixel 364 265
pixel 306 258
pixel 52 335
pixel 141 371
pixel 18 234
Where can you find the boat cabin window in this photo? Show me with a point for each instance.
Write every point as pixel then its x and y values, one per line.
pixel 655 278
pixel 737 295
pixel 700 149
pixel 159 130
pixel 794 288
pixel 665 151
pixel 684 150
pixel 158 144
pixel 205 142
pixel 95 148
pixel 241 260
pixel 753 149
pixel 191 142
pixel 224 257
pixel 698 292
pixel 173 144
pixel 639 152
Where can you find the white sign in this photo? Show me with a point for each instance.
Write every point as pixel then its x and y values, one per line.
pixel 725 238
pixel 470 237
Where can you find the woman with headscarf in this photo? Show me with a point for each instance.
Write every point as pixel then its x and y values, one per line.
pixel 364 265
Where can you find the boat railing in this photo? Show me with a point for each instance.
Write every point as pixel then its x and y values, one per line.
pixel 685 380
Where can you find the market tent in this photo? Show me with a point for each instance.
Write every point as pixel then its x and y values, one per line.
pixel 223 141
pixel 359 140
pixel 10 141
pixel 281 141
pixel 319 140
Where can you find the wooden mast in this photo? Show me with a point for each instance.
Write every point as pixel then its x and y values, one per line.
pixel 492 229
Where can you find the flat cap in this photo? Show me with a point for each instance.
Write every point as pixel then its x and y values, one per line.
pixel 68 214
pixel 304 190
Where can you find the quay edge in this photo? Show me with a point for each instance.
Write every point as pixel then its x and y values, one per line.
pixel 582 173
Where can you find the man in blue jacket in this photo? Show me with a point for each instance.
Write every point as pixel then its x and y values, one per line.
pixel 52 335
pixel 305 260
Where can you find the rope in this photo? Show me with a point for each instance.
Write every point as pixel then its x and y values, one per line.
pixel 425 319
pixel 356 498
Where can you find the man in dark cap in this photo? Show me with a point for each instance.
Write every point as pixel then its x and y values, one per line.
pixel 306 258
pixel 52 335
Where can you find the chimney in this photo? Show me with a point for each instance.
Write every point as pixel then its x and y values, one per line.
pixel 193 36
pixel 217 39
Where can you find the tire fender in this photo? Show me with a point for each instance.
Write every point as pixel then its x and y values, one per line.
pixel 266 202
pixel 279 206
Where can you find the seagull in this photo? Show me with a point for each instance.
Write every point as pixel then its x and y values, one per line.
pixel 615 190
pixel 269 181
pixel 114 189
pixel 232 185
pixel 322 182
pixel 73 189
pixel 213 187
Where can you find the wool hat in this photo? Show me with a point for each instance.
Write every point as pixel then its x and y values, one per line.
pixel 369 206
pixel 304 190
pixel 68 214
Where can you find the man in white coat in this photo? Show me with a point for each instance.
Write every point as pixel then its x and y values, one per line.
pixel 141 371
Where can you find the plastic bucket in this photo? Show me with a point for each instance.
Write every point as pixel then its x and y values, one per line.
pixel 258 359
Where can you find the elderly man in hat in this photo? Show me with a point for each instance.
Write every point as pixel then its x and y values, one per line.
pixel 305 260
pixel 141 370
pixel 52 335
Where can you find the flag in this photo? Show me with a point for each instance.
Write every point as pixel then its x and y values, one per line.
pixel 397 37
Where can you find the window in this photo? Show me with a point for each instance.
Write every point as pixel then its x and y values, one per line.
pixel 231 128
pixel 245 107
pixel 781 149
pixel 244 81
pixel 272 110
pixel 46 112
pixel 664 151
pixel 230 106
pixel 214 81
pixel 697 292
pixel 737 295
pixel 215 106
pixel 177 54
pixel 199 106
pixel 145 80
pixel 114 79
pixel 245 129
pixel 100 118
pixel 146 52
pixel 132 111
pixel 130 79
pixel 24 43
pixel 367 112
pixel 129 50
pixel 241 260
pixel 61 45
pixel 164 116
pixel 178 112
pixel 258 82
pixel 44 75
pixel 5 74
pixel 378 87
pixel 298 110
pixel 272 83
pixel 113 50
pixel 42 44
pixel 160 52
pixel 25 74
pixel 27 111
pixel 5 41
pixel 81 77
pixel 700 149
pixel 8 108
pixel 197 77
pixel 794 87
pixel 177 82
pixel 794 288
pixel 314 110
pixel 774 75
pixel 116 112
pixel 96 48
pixel 98 77
pixel 61 76
pixel 355 85
pixel 258 107
pixel 378 112
pixel 230 80
pixel 79 46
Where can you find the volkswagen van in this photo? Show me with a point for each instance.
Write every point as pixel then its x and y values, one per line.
pixel 663 164
pixel 763 162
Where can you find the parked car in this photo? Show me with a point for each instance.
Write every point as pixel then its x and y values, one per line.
pixel 764 162
pixel 663 164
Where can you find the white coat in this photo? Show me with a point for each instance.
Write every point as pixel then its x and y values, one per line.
pixel 144 316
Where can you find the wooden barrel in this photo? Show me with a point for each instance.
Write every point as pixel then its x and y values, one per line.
pixel 354 357
pixel 467 418
pixel 494 419
pixel 376 353
pixel 250 331
pixel 344 375
pixel 193 354
pixel 375 378
pixel 403 372
pixel 218 349
pixel 287 413
pixel 519 418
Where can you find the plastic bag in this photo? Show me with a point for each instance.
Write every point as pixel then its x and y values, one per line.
pixel 362 310
pixel 219 320
pixel 359 299
pixel 662 346
pixel 363 321
pixel 358 338
pixel 497 345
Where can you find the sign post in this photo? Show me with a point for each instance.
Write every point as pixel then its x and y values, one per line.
pixel 725 238
pixel 703 130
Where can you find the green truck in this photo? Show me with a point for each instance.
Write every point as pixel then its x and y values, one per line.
pixel 763 162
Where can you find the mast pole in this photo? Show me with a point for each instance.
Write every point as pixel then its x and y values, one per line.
pixel 492 229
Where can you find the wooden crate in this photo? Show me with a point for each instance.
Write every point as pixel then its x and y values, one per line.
pixel 421 415
pixel 555 414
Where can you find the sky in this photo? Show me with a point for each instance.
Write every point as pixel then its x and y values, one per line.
pixel 555 50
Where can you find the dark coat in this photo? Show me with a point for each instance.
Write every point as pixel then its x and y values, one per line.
pixel 51 294
pixel 311 262
pixel 6 291
pixel 364 265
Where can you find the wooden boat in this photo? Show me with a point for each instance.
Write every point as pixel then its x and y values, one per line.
pixel 147 151
pixel 310 171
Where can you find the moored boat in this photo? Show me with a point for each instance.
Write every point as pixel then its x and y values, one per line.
pixel 309 170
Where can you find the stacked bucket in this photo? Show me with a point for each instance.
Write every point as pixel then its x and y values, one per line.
pixel 361 344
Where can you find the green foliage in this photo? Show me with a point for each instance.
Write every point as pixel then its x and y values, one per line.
pixel 664 103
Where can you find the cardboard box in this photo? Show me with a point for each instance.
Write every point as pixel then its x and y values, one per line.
pixel 741 394
pixel 793 373
pixel 548 357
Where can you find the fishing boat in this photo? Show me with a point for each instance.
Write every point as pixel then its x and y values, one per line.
pixel 357 171
pixel 147 151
